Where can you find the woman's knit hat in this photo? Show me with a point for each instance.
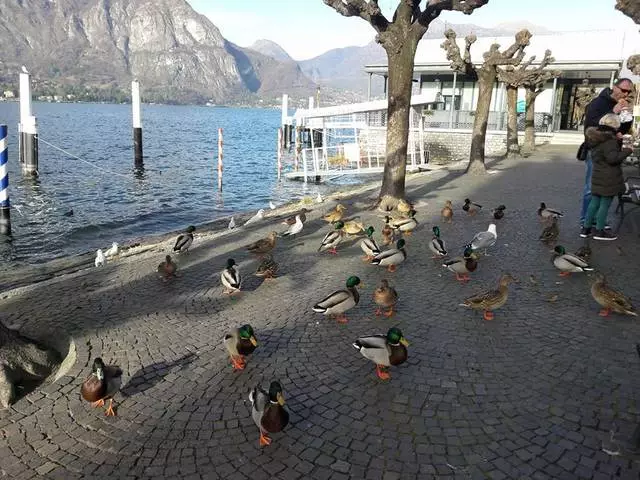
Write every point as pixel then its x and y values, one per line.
pixel 610 120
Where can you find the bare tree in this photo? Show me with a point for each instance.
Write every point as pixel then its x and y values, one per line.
pixel 399 38
pixel 534 86
pixel 514 78
pixel 631 8
pixel 486 75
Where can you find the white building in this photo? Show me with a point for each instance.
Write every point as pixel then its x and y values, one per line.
pixel 597 56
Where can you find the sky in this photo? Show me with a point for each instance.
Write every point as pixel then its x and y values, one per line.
pixel 308 28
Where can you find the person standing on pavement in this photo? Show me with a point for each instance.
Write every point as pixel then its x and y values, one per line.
pixel 610 100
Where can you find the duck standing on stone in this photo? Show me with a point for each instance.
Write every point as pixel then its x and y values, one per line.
pixel 267 268
pixel 492 299
pixel 388 235
pixel 498 212
pixel 267 411
pixel 264 245
pixel 335 215
pixel 369 245
pixel 184 240
pixel 437 245
pixel 240 342
pixel 384 350
pixel 404 225
pixel 546 213
pixel 551 232
pixel 463 266
pixel 568 263
pixel 447 212
pixel 470 207
pixel 332 239
pixel 385 296
pixel 392 257
pixel 609 299
pixel 231 278
pixel 340 301
pixel 102 384
pixel 167 269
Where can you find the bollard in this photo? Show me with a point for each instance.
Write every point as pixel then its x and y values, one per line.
pixel 27 129
pixel 137 123
pixel 279 153
pixel 5 210
pixel 220 142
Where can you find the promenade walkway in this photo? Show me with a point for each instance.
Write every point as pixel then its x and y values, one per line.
pixel 530 395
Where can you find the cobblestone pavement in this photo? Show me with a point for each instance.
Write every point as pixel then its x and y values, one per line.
pixel 531 394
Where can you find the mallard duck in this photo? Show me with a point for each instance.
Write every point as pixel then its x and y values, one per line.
pixel 184 240
pixel 267 411
pixel 168 268
pixel 353 227
pixel 103 383
pixel 292 219
pixel 231 277
pixel 391 257
pixel 294 229
pixel 462 266
pixel 267 268
pixel 385 296
pixel 264 245
pixel 332 239
pixel 340 301
pixel 335 215
pixel 568 263
pixel 384 350
pixel 484 240
pixel 498 212
pixel 369 245
pixel 437 245
pixel 240 342
pixel 388 235
pixel 404 225
pixel 610 299
pixel 470 207
pixel 447 212
pixel 491 299
pixel 404 207
pixel 551 232
pixel 545 213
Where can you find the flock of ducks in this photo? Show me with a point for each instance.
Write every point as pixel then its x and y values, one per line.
pixel 384 350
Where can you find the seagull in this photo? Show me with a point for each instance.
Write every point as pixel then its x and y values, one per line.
pixel 294 229
pixel 272 205
pixel 319 198
pixel 112 251
pixel 24 69
pixel 99 262
pixel 232 224
pixel 484 240
pixel 257 217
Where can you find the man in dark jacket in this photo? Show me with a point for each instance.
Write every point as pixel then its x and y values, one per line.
pixel 610 100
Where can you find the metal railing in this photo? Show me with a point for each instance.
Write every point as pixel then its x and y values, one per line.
pixel 463 120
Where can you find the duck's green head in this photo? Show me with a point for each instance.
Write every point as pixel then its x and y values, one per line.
pixel 275 393
pixel 191 229
pixel 230 263
pixel 353 281
pixel 401 243
pixel 338 225
pixel 246 333
pixel 436 231
pixel 394 337
pixel 468 251
pixel 98 368
pixel 559 250
pixel 369 231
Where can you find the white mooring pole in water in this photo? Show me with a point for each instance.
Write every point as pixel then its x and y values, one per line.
pixel 27 129
pixel 137 123
pixel 5 211
pixel 220 143
pixel 279 152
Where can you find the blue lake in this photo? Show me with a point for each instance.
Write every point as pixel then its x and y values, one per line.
pixel 112 202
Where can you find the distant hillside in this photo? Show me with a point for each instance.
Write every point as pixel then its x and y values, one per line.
pixel 271 49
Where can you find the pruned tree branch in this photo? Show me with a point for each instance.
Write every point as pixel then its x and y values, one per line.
pixel 367 10
pixel 524 75
pixel 435 7
pixel 631 8
pixel 458 62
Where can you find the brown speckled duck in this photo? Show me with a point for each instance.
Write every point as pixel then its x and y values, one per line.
pixel 103 383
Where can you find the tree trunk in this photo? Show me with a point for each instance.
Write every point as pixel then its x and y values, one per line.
pixel 400 85
pixel 486 79
pixel 24 363
pixel 512 120
pixel 529 123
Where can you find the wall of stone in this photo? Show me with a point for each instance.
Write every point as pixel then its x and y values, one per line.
pixel 446 146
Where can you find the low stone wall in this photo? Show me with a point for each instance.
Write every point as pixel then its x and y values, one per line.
pixel 446 146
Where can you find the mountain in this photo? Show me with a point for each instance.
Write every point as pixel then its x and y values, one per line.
pixel 344 67
pixel 271 49
pixel 100 45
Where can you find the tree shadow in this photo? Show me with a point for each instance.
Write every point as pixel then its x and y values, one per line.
pixel 150 375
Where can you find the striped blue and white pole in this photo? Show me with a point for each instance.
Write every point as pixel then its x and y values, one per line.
pixel 5 217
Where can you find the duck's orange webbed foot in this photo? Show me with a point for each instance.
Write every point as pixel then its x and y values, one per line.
pixel 110 412
pixel 238 363
pixel 408 233
pixel 605 312
pixel 333 251
pixel 367 259
pixel 99 403
pixel 382 375
pixel 391 268
pixel 342 318
pixel 488 315
pixel 389 313
pixel 264 440
pixel 462 278
pixel 378 312
pixel 565 274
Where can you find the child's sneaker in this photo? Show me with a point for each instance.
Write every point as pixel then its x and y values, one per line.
pixel 604 235
pixel 585 232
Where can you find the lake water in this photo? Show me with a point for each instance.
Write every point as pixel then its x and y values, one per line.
pixel 112 202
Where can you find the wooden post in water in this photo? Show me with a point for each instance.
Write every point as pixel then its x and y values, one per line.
pixel 280 139
pixel 137 123
pixel 298 147
pixel 220 142
pixel 27 128
pixel 5 211
pixel 285 118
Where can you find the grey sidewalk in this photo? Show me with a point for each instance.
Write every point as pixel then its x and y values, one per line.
pixel 531 394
